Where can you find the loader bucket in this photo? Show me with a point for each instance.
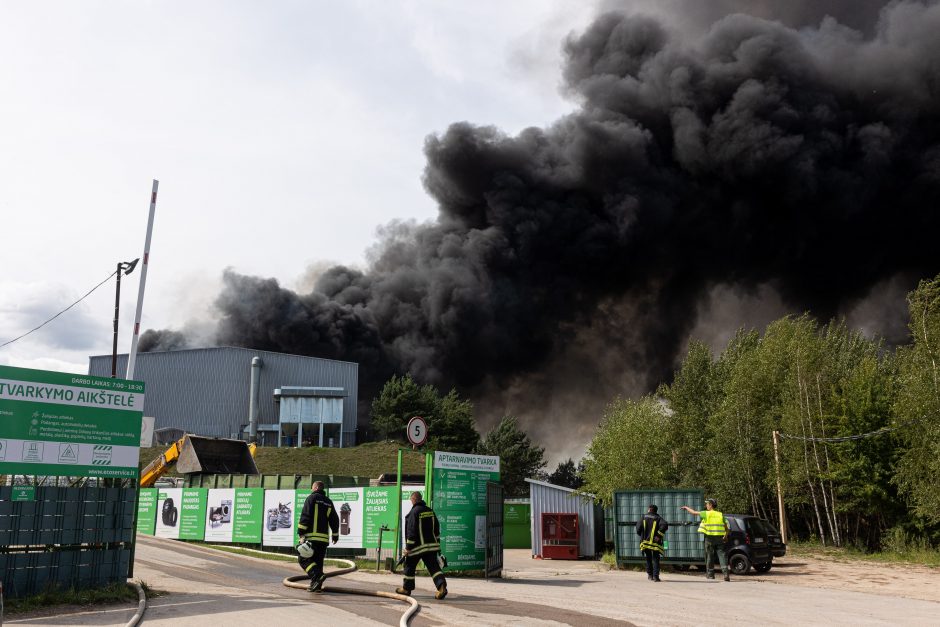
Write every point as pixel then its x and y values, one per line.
pixel 210 456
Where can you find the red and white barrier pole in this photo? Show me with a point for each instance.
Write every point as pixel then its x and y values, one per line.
pixel 132 357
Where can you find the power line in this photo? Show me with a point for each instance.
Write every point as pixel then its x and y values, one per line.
pixel 60 313
pixel 859 436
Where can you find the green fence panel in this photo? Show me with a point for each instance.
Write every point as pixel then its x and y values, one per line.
pixel 685 543
pixel 64 537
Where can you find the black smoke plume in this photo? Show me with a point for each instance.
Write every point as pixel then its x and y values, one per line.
pixel 569 263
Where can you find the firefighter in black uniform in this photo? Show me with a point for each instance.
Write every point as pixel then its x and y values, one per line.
pixel 652 529
pixel 317 519
pixel 422 542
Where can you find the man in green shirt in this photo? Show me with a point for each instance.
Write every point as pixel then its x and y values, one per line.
pixel 715 529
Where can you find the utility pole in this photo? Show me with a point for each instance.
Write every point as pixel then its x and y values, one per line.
pixel 783 516
pixel 132 356
pixel 126 267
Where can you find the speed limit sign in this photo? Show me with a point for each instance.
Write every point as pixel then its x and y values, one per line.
pixel 417 431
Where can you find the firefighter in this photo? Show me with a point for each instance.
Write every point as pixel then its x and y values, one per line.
pixel 651 529
pixel 714 527
pixel 422 542
pixel 317 519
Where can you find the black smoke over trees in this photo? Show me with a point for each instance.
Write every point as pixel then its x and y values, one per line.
pixel 576 256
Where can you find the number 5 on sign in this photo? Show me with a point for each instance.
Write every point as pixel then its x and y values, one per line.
pixel 417 431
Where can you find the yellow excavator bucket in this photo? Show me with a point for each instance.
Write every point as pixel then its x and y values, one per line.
pixel 195 454
pixel 210 456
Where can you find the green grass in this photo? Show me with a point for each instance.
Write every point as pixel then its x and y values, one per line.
pixel 366 460
pixel 919 555
pixel 114 593
pixel 609 558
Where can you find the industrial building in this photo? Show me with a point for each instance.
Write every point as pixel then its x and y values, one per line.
pixel 210 391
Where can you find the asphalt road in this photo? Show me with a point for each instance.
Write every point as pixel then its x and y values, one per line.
pixel 206 585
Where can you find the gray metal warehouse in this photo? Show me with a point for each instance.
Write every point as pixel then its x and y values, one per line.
pixel 208 391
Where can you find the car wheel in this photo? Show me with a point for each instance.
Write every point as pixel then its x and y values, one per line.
pixel 763 568
pixel 739 564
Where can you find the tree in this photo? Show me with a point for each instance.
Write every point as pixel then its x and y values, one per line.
pixel 568 475
pixel 451 427
pixel 519 457
pixel 400 400
pixel 629 450
pixel 449 418
pixel 918 403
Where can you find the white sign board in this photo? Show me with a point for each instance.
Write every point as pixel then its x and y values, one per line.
pixel 146 431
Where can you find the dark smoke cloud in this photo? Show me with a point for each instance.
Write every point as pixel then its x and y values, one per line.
pixel 569 263
pixel 698 15
pixel 162 340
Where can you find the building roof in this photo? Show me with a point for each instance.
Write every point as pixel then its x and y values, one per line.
pixel 215 348
pixel 558 487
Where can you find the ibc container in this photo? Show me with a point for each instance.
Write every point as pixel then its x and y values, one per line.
pixel 685 545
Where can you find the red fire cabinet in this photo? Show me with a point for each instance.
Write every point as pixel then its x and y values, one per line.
pixel 560 534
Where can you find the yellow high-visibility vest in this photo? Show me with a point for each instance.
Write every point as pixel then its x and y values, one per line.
pixel 713 523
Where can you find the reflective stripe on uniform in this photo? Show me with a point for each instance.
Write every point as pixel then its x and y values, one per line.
pixel 713 523
pixel 307 569
pixel 650 544
pixel 424 548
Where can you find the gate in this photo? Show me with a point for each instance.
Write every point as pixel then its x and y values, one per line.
pixel 494 530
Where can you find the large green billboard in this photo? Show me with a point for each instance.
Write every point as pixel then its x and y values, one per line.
pixel 460 503
pixel 56 423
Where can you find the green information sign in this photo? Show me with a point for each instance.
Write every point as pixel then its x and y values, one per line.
pixel 249 515
pixel 192 516
pixel 379 510
pixel 147 511
pixel 61 424
pixel 460 503
pixel 24 493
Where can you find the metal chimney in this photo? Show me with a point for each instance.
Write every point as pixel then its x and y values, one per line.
pixel 253 408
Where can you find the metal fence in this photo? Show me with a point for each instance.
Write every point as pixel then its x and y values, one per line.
pixel 64 537
pixel 493 563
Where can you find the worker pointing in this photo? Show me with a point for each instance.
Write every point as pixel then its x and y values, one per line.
pixel 715 529
pixel 317 519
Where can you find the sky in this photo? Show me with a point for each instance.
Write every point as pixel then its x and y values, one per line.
pixel 283 136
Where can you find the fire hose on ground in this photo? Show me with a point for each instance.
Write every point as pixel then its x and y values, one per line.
pixel 295 581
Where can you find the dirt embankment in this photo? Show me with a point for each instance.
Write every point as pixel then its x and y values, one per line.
pixel 901 580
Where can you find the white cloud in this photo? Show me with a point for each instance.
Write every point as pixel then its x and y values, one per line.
pixel 282 135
